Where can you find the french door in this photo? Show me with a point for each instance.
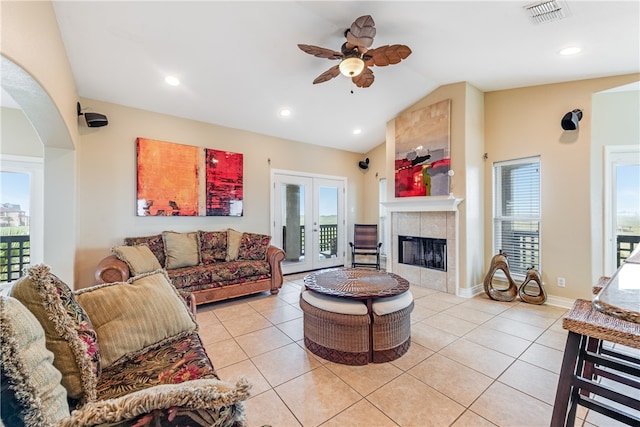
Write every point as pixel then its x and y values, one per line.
pixel 308 222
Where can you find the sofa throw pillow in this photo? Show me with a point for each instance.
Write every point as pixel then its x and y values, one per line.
pixel 131 316
pixel 155 243
pixel 31 391
pixel 181 249
pixel 68 329
pixel 139 258
pixel 213 246
pixel 253 246
pixel 233 244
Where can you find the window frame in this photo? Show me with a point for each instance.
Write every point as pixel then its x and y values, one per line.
pixel 497 214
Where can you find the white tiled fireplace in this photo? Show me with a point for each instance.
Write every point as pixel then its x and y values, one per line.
pixel 432 217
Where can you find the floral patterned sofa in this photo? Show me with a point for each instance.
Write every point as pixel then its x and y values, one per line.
pixel 211 265
pixel 118 354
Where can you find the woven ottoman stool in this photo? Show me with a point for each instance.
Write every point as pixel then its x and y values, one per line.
pixel 336 329
pixel 391 327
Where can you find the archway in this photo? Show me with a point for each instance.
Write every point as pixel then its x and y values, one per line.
pixel 58 230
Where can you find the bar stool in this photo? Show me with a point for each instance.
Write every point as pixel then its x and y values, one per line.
pixel 576 385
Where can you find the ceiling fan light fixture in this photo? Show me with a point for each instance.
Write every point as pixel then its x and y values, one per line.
pixel 351 66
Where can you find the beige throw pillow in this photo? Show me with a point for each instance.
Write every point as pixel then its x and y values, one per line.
pixel 131 316
pixel 181 249
pixel 38 397
pixel 139 258
pixel 234 238
pixel 68 329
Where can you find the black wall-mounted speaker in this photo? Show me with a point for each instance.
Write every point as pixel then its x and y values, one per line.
pixel 96 120
pixel 364 165
pixel 571 119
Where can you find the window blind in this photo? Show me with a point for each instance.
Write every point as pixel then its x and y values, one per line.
pixel 517 213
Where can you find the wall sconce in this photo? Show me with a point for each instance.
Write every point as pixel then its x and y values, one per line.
pixel 571 119
pixel 364 164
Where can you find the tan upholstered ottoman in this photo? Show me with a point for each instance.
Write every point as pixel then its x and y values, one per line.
pixel 391 327
pixel 336 329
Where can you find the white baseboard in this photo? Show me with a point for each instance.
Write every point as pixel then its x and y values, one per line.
pixel 560 301
pixel 551 300
pixel 470 292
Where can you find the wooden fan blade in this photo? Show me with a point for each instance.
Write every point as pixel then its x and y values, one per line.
pixel 328 75
pixel 387 55
pixel 364 79
pixel 361 33
pixel 320 52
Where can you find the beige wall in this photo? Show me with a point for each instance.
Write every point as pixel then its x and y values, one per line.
pixel 372 176
pixel 616 121
pixel 36 73
pixel 107 178
pixel 526 122
pixel 17 136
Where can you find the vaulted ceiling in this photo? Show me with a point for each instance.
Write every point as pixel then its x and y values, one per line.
pixel 238 62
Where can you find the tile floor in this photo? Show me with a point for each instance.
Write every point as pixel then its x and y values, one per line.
pixel 472 362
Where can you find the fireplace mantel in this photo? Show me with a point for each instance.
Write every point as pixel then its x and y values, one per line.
pixel 423 204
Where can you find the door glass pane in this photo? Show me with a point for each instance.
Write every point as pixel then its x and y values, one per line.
pixel 627 210
pixel 328 209
pixel 14 224
pixel 293 222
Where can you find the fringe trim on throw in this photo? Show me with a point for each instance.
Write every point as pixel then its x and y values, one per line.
pixel 19 379
pixel 41 277
pixel 196 394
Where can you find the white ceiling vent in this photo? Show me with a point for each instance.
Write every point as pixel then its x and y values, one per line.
pixel 547 11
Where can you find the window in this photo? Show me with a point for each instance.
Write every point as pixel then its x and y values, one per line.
pixel 516 213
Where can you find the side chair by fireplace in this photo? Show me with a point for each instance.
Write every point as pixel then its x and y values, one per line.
pixel 365 244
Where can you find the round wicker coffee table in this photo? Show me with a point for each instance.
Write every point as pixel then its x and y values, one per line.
pixel 391 331
pixel 356 283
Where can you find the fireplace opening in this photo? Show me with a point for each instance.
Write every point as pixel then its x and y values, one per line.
pixel 423 252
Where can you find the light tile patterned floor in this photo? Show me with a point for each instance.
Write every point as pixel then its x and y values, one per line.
pixel 472 362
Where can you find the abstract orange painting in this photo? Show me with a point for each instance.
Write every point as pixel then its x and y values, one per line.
pixel 167 179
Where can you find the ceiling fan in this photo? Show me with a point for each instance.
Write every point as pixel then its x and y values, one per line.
pixel 355 56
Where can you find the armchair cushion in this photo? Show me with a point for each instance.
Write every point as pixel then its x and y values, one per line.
pixel 131 316
pixel 176 360
pixel 253 247
pixel 139 258
pixel 68 329
pixel 32 394
pixel 181 249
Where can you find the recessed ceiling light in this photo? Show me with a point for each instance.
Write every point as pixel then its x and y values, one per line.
pixel 571 50
pixel 285 112
pixel 357 131
pixel 173 81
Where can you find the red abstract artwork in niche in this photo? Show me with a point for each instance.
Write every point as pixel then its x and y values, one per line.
pixel 224 183
pixel 167 179
pixel 422 158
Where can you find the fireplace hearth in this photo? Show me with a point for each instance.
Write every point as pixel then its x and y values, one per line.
pixel 423 252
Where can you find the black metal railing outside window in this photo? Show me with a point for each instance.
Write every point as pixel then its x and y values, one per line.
pixel 14 256
pixel 328 239
pixel 624 246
